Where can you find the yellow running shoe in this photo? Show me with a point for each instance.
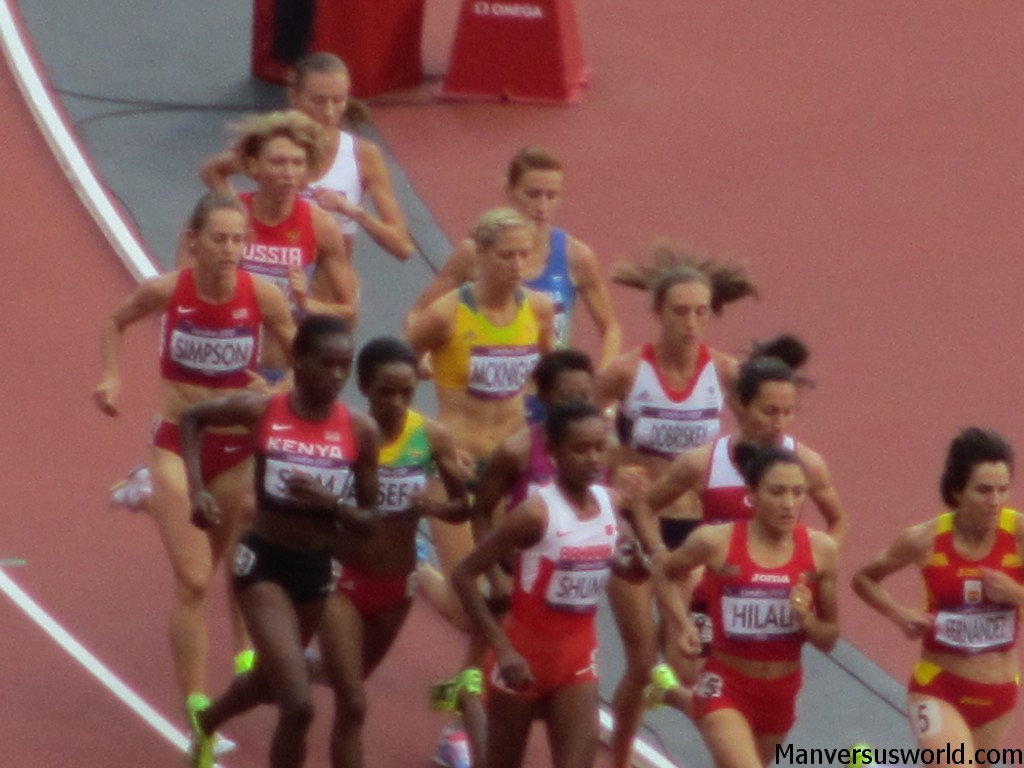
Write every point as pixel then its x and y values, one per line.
pixel 201 750
pixel 245 661
pixel 444 696
pixel 663 679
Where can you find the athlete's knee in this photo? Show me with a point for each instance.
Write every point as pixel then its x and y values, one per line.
pixel 192 587
pixel 351 704
pixel 297 710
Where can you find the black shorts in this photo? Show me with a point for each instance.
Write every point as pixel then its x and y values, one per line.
pixel 305 576
pixel 674 530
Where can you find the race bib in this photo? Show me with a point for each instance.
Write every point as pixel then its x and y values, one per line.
pixel 576 587
pixel 396 487
pixel 498 373
pixel 760 617
pixel 667 432
pixel 337 480
pixel 211 352
pixel 975 631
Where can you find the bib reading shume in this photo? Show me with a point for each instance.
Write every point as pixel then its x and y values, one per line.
pixel 576 586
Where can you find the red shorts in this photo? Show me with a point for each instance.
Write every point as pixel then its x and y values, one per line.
pixel 218 454
pixel 977 703
pixel 556 661
pixel 374 593
pixel 768 705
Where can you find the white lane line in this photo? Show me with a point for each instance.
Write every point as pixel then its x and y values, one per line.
pixel 93 665
pixel 644 755
pixel 68 152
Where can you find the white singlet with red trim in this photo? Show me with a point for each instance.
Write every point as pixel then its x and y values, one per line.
pixel 723 472
pixel 725 497
pixel 342 177
pixel 564 574
pixel 665 423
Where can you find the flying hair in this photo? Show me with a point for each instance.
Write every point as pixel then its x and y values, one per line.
pixel 675 264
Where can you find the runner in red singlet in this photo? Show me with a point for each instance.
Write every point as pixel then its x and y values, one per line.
pixel 316 482
pixel 965 685
pixel 771 586
pixel 544 655
pixel 214 316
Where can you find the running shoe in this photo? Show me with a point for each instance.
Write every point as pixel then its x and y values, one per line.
pixel 424 552
pixel 133 492
pixel 444 696
pixel 453 749
pixel 245 661
pixel 663 680
pixel 201 751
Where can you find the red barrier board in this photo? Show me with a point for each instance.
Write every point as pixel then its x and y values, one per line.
pixel 379 40
pixel 518 50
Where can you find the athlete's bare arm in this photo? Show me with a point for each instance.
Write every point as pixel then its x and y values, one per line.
pixel 911 547
pixel 216 172
pixel 522 527
pixel 388 228
pixel 434 326
pixel 593 292
pixel 458 269
pixel 277 316
pixel 442 447
pixel 544 311
pixel 820 620
pixel 824 495
pixel 615 381
pixel 335 264
pixel 150 298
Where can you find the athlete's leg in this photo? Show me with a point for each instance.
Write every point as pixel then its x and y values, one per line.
pixel 280 631
pixel 631 606
pixel 508 728
pixel 452 542
pixel 191 556
pixel 233 490
pixel 573 726
pixel 341 646
pixel 936 723
pixel 992 734
pixel 379 633
pixel 729 739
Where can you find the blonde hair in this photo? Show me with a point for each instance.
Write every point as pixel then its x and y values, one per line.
pixel 491 225
pixel 254 132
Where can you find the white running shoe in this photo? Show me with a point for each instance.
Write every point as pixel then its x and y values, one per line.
pixel 453 749
pixel 133 492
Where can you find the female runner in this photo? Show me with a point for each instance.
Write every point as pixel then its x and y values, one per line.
pixel 670 394
pixel 558 265
pixel 544 655
pixel 766 394
pixel 316 482
pixel 484 338
pixel 771 586
pixel 213 317
pixel 354 166
pixel 291 238
pixel 378 577
pixel 964 688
